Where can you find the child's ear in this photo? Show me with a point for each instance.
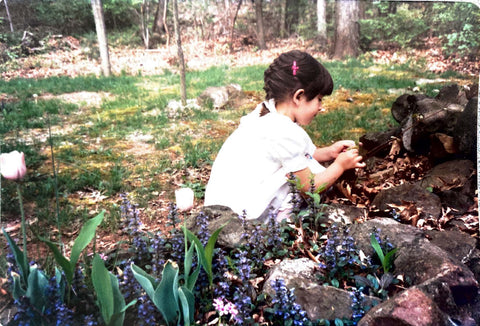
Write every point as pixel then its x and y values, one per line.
pixel 297 95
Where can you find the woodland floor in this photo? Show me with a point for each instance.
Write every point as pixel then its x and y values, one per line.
pixel 75 61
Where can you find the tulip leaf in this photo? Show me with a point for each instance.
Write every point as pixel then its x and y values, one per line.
pixel 119 306
pixel 37 285
pixel 386 260
pixel 209 251
pixel 187 262
pixel 102 284
pixel 376 246
pixel 17 290
pixel 86 235
pixel 110 299
pixel 61 260
pixel 166 294
pixel 20 257
pixel 187 301
pixel 191 279
pixel 200 250
pixel 205 255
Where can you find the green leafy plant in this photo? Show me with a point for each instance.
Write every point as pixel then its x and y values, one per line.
pixel 33 284
pixel 403 28
pixel 81 242
pixel 205 255
pixel 170 297
pixel 110 300
pixel 377 286
pixel 386 259
pixel 20 282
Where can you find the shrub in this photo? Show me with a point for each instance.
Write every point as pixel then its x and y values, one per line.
pixel 402 29
pixel 66 16
pixel 458 27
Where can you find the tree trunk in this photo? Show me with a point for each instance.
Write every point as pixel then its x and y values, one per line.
pixel 158 22
pixel 233 25
pixel 361 10
pixel 165 9
pixel 322 21
pixel 144 17
pixel 97 8
pixel 8 16
pixel 260 30
pixel 183 86
pixel 283 19
pixel 347 31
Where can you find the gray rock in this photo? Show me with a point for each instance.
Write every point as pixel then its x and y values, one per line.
pixel 457 243
pixel 318 301
pixel 411 307
pixel 454 183
pixel 377 143
pixel 428 116
pixel 418 259
pixel 452 94
pixel 346 214
pixel 400 235
pixel 449 175
pixel 465 130
pixel 221 97
pixel 218 216
pixel 427 202
pixel 424 261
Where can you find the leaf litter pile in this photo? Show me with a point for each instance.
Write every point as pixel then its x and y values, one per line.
pixel 361 187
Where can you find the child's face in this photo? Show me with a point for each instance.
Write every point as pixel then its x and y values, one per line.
pixel 307 110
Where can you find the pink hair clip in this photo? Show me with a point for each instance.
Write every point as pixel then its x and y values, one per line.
pixel 295 68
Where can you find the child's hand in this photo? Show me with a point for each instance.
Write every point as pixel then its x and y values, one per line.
pixel 349 159
pixel 341 146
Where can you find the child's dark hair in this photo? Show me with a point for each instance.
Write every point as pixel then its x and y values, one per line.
pixel 296 70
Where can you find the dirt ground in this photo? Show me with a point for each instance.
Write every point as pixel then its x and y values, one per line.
pixel 72 60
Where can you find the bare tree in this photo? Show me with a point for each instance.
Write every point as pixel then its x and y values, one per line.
pixel 183 86
pixel 144 17
pixel 322 20
pixel 283 18
pixel 159 19
pixel 234 19
pixel 346 29
pixel 97 8
pixel 165 7
pixel 260 29
pixel 8 15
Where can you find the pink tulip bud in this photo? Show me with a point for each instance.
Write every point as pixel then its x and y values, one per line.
pixel 12 165
pixel 184 198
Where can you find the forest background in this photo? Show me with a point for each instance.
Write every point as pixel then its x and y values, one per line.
pixel 338 28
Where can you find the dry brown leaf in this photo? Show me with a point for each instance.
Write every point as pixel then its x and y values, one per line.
pixel 395 148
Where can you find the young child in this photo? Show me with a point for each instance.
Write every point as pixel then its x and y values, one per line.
pixel 251 170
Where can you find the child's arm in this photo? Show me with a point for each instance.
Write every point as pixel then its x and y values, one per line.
pixel 344 161
pixel 324 154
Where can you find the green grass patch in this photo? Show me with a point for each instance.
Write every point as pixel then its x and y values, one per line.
pixel 24 88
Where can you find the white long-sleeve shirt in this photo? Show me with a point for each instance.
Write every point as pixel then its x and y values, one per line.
pixel 251 170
